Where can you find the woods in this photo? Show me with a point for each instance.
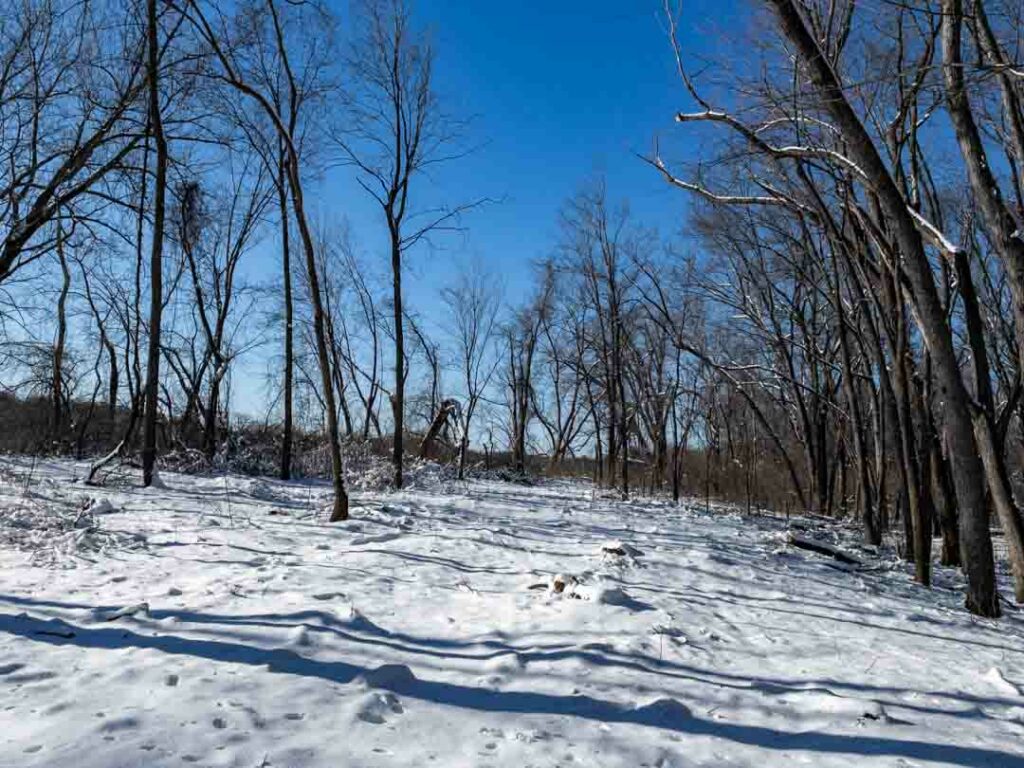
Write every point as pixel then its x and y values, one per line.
pixel 591 383
pixel 834 323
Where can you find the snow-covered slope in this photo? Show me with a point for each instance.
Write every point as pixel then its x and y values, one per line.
pixel 222 622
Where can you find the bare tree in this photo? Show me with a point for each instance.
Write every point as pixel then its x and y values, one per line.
pixel 394 130
pixel 234 73
pixel 157 243
pixel 69 84
pixel 472 305
pixel 214 242
pixel 828 173
pixel 520 336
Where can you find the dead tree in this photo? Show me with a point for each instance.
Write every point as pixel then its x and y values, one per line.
pixel 448 412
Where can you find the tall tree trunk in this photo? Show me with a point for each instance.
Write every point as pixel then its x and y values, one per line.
pixel 675 448
pixel 917 533
pixel 976 541
pixel 984 417
pixel 598 448
pixel 339 510
pixel 924 521
pixel 289 311
pixel 464 438
pixel 945 504
pixel 864 496
pixel 62 331
pixel 212 409
pixel 156 252
pixel 398 397
pixel 1004 235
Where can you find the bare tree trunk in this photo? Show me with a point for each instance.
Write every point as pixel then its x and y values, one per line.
pixel 1004 234
pixel 156 252
pixel 675 444
pixel 62 331
pixel 864 497
pixel 598 448
pixel 917 530
pixel 945 504
pixel 289 313
pixel 976 542
pixel 212 409
pixel 112 383
pixel 464 444
pixel 398 396
pixel 991 454
pixel 339 510
pixel 448 407
pixel 619 384
pixel 924 520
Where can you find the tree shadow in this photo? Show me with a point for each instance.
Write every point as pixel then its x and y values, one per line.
pixel 363 630
pixel 661 714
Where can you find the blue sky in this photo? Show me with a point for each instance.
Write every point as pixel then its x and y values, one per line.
pixel 558 92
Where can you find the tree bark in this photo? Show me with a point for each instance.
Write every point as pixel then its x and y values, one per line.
pixel 289 311
pixel 62 330
pixel 339 510
pixel 156 252
pixel 1003 234
pixel 976 542
pixel 398 396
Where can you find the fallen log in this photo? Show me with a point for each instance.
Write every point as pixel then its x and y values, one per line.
pixel 802 542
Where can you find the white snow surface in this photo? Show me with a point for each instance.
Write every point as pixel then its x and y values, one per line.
pixel 221 621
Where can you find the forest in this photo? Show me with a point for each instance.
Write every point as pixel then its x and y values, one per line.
pixel 828 334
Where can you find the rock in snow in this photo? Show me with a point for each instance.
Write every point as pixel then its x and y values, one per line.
pixel 620 549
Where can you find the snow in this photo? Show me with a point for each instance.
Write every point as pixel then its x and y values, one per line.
pixel 221 621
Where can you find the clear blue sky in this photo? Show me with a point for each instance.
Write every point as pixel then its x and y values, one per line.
pixel 559 91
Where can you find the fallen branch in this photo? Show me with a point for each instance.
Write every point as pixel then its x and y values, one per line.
pixel 802 542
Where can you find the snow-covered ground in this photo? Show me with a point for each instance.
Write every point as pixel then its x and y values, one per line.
pixel 426 632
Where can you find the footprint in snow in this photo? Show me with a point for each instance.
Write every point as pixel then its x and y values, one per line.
pixel 120 724
pixel 505 664
pixel 328 595
pixel 379 539
pixel 300 637
pixel 375 707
